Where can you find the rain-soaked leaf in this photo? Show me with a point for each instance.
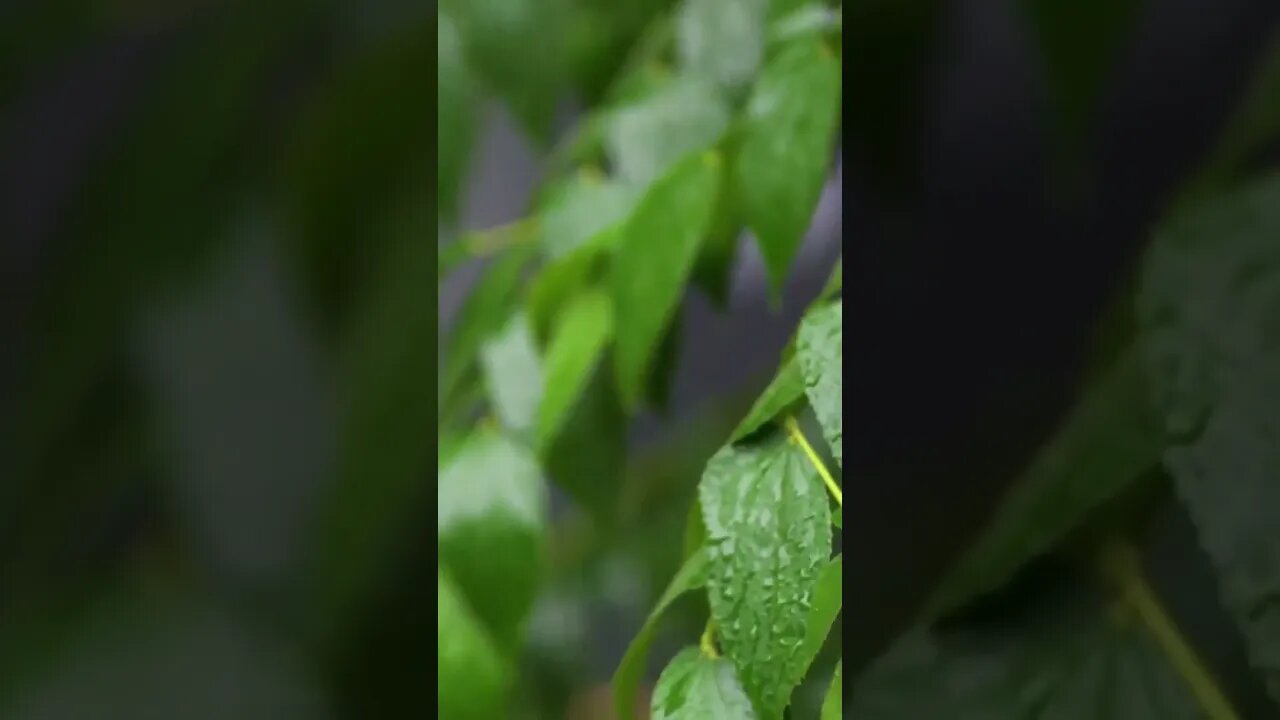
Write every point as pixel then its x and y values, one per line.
pixel 697 687
pixel 820 353
pixel 491 515
pixel 644 139
pixel 576 347
pixel 769 536
pixel 786 149
pixel 513 373
pixel 721 40
pixel 472 676
pixel 691 576
pixel 653 262
pixel 1209 318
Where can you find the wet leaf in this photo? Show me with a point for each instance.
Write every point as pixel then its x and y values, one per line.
pixel 828 596
pixel 1208 309
pixel 697 687
pixel 721 40
pixel 653 262
pixel 691 576
pixel 513 373
pixel 783 393
pixel 576 347
pixel 472 677
pixel 491 516
pixel 769 536
pixel 646 138
pixel 820 353
pixel 786 149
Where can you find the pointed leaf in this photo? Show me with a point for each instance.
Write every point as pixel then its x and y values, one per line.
pixel 588 455
pixel 576 347
pixel 696 687
pixel 492 507
pixel 691 576
pixel 472 676
pixel 1208 306
pixel 833 706
pixel 456 114
pixel 513 373
pixel 828 596
pixel 786 150
pixel 721 40
pixel 644 139
pixel 786 389
pixel 653 262
pixel 820 353
pixel 769 536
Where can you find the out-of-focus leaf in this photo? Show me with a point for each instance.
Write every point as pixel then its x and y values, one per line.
pixel 561 280
pixel 666 364
pixel 784 392
pixel 513 373
pixel 517 45
pixel 801 20
pixel 653 262
pixel 576 347
pixel 835 283
pixel 785 153
pixel 1107 442
pixel 713 272
pixel 721 40
pixel 837 518
pixel 769 536
pixel 588 454
pixel 697 687
pixel 586 206
pixel 488 305
pixel 456 116
pixel 833 705
pixel 490 518
pixel 691 576
pixel 361 149
pixel 1065 657
pixel 646 138
pixel 473 678
pixel 820 354
pixel 1207 310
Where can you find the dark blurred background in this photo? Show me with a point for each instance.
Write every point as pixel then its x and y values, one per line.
pixel 218 325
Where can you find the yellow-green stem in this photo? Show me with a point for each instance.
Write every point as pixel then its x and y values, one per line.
pixel 708 643
pixel 797 436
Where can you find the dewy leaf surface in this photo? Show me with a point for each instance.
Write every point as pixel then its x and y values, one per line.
pixel 785 155
pixel 1107 442
pixel 820 352
pixel 491 514
pixel 653 262
pixel 769 536
pixel 696 687
pixel 472 676
pixel 691 576
pixel 513 372
pixel 644 139
pixel 1064 658
pixel 721 40
pixel 577 345
pixel 1209 317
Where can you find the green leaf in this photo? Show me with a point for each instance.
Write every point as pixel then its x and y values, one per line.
pixel 713 272
pixel 697 687
pixel 456 115
pixel 653 262
pixel 800 21
pixel 472 677
pixel 695 530
pixel 588 454
pixel 491 513
pixel 837 519
pixel 1110 439
pixel 513 372
pixel 646 138
pixel 784 392
pixel 820 352
pixel 666 363
pixel 1065 656
pixel 1207 310
pixel 564 278
pixel 583 207
pixel 517 46
pixel 828 596
pixel 576 347
pixel 835 283
pixel 721 40
pixel 691 576
pixel 769 536
pixel 833 706
pixel 786 151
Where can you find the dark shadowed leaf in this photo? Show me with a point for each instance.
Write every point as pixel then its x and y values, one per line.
pixel 490 521
pixel 653 262
pixel 769 536
pixel 576 347
pixel 785 155
pixel 1209 317
pixel 691 576
pixel 833 705
pixel 472 676
pixel 820 354
pixel 587 456
pixel 697 687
